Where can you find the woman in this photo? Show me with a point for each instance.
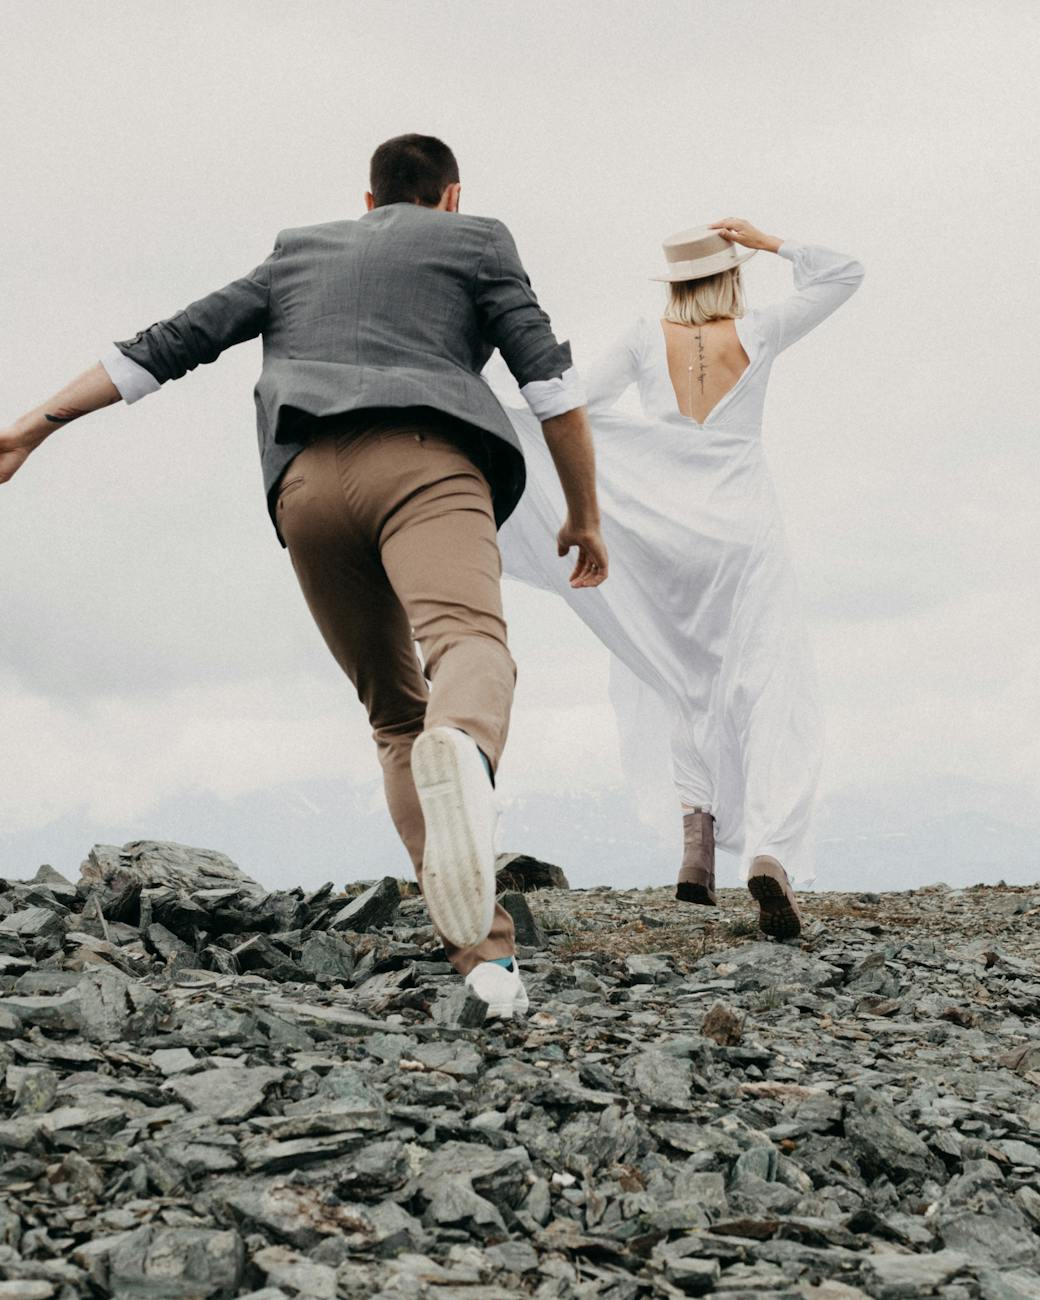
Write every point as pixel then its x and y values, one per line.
pixel 701 614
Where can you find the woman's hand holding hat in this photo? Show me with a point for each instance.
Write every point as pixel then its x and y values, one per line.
pixel 739 231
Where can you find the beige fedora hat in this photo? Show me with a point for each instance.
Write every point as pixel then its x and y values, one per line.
pixel 692 254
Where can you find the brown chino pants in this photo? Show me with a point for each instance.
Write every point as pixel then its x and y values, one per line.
pixel 390 528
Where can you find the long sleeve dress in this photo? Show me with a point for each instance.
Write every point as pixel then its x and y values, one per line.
pixel 711 670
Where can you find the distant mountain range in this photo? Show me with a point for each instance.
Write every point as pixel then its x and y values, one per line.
pixel 308 833
pixel 601 842
pixel 963 849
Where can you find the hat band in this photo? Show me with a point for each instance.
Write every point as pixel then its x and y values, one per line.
pixel 710 265
pixel 687 253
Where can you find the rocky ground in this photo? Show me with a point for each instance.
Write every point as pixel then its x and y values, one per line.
pixel 213 1090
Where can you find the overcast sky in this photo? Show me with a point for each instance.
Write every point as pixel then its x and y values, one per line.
pixel 155 653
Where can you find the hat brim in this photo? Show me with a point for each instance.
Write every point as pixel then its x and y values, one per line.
pixel 702 272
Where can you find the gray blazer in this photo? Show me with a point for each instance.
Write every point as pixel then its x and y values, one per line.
pixel 402 307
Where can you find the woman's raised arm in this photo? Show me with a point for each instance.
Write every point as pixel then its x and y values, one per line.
pixel 823 280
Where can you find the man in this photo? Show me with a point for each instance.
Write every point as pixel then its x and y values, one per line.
pixel 388 465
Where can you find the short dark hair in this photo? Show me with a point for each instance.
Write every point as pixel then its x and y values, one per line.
pixel 412 169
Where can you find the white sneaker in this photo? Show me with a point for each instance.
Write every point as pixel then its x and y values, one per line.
pixel 502 989
pixel 458 806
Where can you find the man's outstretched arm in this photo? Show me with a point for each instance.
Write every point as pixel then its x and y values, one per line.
pixel 88 392
pixel 138 366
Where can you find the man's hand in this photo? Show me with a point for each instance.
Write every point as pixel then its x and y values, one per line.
pixel 570 443
pixel 591 566
pixel 14 451
pixel 88 392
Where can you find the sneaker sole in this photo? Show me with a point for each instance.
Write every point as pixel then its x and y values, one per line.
pixel 459 858
pixel 777 917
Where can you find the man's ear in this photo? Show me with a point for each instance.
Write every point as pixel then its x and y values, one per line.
pixel 370 201
pixel 450 198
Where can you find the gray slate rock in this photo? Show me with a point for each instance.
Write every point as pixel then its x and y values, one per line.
pixel 175 952
pixel 298 1216
pixel 230 1093
pixel 327 955
pixel 525 874
pixel 1015 1284
pixel 376 906
pixel 296 1274
pixel 528 932
pixel 113 1007
pixel 765 966
pixel 662 1081
pixel 1000 1235
pixel 454 1204
pixel 460 1060
pixel 151 863
pixel 501 1176
pixel 174 1060
pixel 63 889
pixel 883 1144
pixel 59 1011
pixel 33 923
pixel 693 1276
pixel 916 1275
pixel 1021 1059
pixel 176 1262
pixel 649 967
pixel 35 1092
pixel 458 1006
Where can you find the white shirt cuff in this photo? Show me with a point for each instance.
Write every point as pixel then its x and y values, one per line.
pixel 789 248
pixel 549 397
pixel 132 380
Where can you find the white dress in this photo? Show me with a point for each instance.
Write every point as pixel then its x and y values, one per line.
pixel 711 671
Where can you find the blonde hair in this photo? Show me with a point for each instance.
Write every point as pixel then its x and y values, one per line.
pixel 713 297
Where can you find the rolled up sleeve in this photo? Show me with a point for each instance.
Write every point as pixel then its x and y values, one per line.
pixel 549 397
pixel 132 380
pixel 198 334
pixel 514 323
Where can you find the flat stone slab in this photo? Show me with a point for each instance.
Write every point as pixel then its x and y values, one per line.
pixel 376 906
pixel 231 1093
pixel 184 1262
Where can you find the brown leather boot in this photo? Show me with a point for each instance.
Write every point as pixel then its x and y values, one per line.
pixel 697 873
pixel 778 914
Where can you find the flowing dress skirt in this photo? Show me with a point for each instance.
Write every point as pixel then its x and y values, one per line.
pixel 712 678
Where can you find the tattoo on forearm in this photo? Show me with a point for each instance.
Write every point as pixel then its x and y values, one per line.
pixel 64 414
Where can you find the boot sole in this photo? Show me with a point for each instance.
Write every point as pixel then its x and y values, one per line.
pixel 687 893
pixel 776 916
pixel 459 859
